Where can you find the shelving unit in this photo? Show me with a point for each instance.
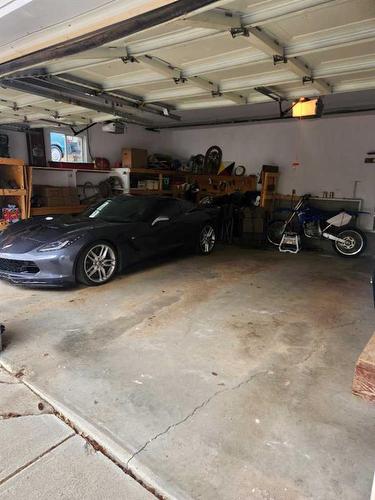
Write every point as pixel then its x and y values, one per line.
pixel 72 209
pixel 13 170
pixel 213 185
pixel 269 188
pixel 68 177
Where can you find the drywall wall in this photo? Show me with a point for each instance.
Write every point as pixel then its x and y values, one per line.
pixel 331 152
pixel 103 144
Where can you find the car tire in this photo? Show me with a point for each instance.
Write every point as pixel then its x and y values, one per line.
pixel 206 240
pixel 57 153
pixel 97 264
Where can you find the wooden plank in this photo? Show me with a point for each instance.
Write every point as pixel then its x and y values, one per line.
pixel 278 196
pixel 29 176
pixel 364 378
pixel 156 171
pixel 11 161
pixel 147 191
pixel 12 170
pixel 57 210
pixel 176 173
pixel 13 192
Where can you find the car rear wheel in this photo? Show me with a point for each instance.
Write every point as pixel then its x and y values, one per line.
pixel 97 264
pixel 207 239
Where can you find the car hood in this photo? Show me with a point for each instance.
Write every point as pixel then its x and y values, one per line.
pixel 29 235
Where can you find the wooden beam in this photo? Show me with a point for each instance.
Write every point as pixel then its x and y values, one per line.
pixel 364 378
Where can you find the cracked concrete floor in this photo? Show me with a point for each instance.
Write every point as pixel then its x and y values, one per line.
pixel 226 377
pixel 41 457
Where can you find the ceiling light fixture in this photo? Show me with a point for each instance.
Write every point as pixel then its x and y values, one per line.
pixel 307 108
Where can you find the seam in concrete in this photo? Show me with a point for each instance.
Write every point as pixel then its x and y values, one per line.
pixel 194 411
pixel 31 462
pixel 7 416
pixel 76 431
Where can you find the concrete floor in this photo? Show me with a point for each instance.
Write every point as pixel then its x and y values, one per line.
pixel 220 377
pixel 41 457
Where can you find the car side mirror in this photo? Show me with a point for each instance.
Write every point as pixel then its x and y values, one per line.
pixel 161 218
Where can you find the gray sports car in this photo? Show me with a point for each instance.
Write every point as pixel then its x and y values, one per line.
pixel 93 247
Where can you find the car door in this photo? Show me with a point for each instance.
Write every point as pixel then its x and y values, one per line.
pixel 167 225
pixel 137 239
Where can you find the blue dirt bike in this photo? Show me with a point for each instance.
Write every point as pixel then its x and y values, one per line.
pixel 347 240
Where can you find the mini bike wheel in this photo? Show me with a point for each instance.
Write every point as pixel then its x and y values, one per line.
pixel 275 232
pixel 353 245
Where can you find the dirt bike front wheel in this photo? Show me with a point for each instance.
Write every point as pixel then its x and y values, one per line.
pixel 275 231
pixel 354 242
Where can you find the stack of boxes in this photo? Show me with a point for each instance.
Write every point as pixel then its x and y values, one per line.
pixel 134 158
pixel 52 196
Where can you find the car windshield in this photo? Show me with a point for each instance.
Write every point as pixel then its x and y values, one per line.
pixel 121 209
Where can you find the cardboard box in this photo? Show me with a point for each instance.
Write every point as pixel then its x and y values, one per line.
pixel 253 221
pixel 56 196
pixel 134 158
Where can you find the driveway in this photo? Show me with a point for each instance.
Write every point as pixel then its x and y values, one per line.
pixel 220 377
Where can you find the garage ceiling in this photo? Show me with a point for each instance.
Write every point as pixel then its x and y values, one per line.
pixel 227 54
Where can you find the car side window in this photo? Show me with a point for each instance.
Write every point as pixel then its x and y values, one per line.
pixel 169 208
pixel 186 206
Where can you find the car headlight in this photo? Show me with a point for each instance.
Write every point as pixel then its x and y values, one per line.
pixel 59 244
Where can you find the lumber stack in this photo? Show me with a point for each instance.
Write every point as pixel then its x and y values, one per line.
pixel 364 378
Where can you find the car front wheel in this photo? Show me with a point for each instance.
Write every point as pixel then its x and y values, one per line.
pixel 97 264
pixel 207 239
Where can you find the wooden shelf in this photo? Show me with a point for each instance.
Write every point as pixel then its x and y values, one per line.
pixel 55 169
pixel 76 209
pixel 149 191
pixel 11 161
pixel 177 173
pixel 154 171
pixel 13 170
pixel 12 192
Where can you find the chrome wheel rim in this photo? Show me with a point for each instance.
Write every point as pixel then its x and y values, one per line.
pixel 207 239
pixel 100 263
pixel 353 243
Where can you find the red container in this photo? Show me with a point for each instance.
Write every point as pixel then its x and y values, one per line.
pixel 11 214
pixel 72 165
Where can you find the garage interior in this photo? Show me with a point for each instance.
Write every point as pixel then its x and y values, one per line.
pixel 248 373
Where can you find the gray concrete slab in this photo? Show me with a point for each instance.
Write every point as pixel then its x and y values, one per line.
pixel 7 378
pixel 221 377
pixel 24 439
pixel 73 470
pixel 17 400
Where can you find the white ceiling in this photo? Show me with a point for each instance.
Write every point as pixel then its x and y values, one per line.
pixel 335 39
